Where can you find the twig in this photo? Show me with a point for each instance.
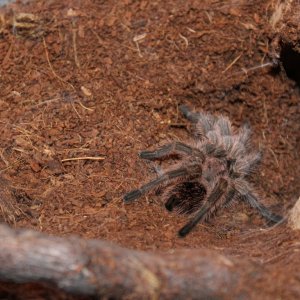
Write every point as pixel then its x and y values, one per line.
pixel 185 40
pixel 7 55
pixel 51 68
pixel 83 106
pixel 76 110
pixel 232 63
pixel 245 71
pixel 84 158
pixel 275 156
pixel 75 45
pixel 45 102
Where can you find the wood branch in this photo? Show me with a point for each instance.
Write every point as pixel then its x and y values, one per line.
pixel 100 268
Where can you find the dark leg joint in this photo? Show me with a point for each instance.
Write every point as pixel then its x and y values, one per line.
pixel 166 150
pixel 156 154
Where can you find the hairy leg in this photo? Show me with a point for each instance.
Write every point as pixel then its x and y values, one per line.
pixel 188 114
pixel 203 122
pixel 188 170
pixel 252 200
pixel 229 197
pixel 172 201
pixel 212 200
pixel 172 148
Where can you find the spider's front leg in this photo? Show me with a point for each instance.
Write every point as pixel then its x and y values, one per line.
pixel 218 191
pixel 188 114
pixel 172 148
pixel 193 169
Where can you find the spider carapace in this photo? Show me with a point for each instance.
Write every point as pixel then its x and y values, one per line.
pixel 212 171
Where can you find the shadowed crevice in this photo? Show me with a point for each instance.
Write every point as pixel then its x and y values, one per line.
pixel 290 59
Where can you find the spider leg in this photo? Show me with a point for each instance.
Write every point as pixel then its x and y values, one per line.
pixel 203 122
pixel 229 197
pixel 193 169
pixel 215 195
pixel 171 203
pixel 188 114
pixel 252 200
pixel 176 147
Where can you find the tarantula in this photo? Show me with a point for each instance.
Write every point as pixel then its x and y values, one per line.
pixel 212 172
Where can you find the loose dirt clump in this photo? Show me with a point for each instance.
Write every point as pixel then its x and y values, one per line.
pixel 86 85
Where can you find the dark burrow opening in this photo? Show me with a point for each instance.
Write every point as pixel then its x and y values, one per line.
pixel 290 60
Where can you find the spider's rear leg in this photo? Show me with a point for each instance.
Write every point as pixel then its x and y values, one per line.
pixel 217 192
pixel 251 199
pixel 172 148
pixel 189 170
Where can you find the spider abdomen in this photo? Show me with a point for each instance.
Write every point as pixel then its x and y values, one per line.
pixel 185 197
